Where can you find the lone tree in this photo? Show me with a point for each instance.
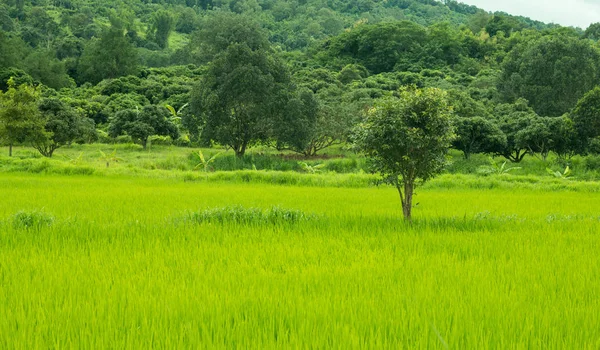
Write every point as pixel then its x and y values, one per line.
pixel 407 139
pixel 20 119
pixel 62 126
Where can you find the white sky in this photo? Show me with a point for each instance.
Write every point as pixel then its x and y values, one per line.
pixel 576 13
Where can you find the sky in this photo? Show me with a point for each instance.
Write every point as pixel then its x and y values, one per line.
pixel 576 13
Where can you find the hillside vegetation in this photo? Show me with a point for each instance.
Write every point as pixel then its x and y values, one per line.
pixel 293 75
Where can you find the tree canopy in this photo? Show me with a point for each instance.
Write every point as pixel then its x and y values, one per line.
pixel 407 139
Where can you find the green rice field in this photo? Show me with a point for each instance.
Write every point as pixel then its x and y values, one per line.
pixel 130 262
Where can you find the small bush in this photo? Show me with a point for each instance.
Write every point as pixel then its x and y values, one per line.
pixel 31 220
pixel 592 163
pixel 239 215
pixel 104 138
pixel 345 165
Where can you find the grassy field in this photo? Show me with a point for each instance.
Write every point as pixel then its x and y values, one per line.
pixel 113 260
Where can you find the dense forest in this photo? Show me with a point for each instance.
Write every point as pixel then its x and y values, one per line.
pixel 294 74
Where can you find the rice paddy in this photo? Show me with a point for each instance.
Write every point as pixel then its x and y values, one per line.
pixel 139 262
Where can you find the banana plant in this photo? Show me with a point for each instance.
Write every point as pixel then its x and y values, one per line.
pixel 175 118
pixel 495 168
pixel 109 158
pixel 75 160
pixel 565 175
pixel 204 163
pixel 311 169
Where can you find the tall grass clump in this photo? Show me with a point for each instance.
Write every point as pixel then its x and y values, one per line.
pixel 240 215
pixel 31 220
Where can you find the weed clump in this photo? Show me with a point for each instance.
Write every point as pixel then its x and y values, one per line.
pixel 240 215
pixel 31 220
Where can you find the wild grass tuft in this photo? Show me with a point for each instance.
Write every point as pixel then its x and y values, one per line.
pixel 240 215
pixel 31 220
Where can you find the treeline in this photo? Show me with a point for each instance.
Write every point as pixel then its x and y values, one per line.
pixel 296 75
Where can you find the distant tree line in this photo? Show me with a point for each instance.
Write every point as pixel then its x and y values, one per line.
pixel 281 73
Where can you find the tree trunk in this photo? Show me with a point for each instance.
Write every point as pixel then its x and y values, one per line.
pixel 10 149
pixel 144 143
pixel 407 205
pixel 239 152
pixel 406 199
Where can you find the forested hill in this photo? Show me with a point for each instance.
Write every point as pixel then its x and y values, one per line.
pixel 299 73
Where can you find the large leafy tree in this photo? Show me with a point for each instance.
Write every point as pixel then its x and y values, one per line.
pixel 245 90
pixel 505 24
pixel 297 125
pixel 63 125
pixel 549 134
pixel 565 140
pixel 380 47
pixel 513 119
pixel 20 118
pixel 161 26
pixel 586 115
pixel 111 56
pixel 407 139
pixel 536 136
pixel 478 135
pixel 141 124
pixel 221 30
pixel 552 73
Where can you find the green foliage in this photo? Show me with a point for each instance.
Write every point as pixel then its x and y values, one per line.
pixel 312 169
pixel 552 73
pixel 20 118
pixel 478 135
pixel 240 215
pixel 18 76
pixel 512 119
pixel 110 56
pixel 347 53
pixel 241 96
pixel 407 139
pixel 187 21
pixel 205 163
pixel 109 157
pixel 378 47
pixel 496 168
pixel 62 126
pixel 298 125
pixel 566 174
pixel 221 30
pixel 503 24
pixel 161 26
pixel 31 220
pixel 586 115
pixel 592 32
pixel 151 120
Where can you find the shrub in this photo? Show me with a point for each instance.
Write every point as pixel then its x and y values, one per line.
pixel 592 163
